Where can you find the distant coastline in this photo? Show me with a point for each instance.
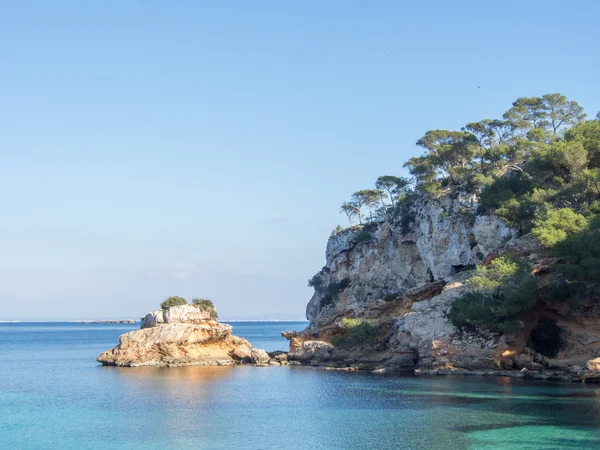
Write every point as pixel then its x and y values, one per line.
pixel 131 321
pixel 105 321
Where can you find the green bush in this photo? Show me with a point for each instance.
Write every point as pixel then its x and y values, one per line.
pixel 479 181
pixel 579 254
pixel 206 305
pixel 338 229
pixel 332 291
pixel 503 189
pixel 514 199
pixel 588 133
pixel 500 292
pixel 577 268
pixel 336 287
pixel 173 301
pixel 316 282
pixel 557 224
pixel 404 212
pixel 433 188
pixel 356 332
pixel 364 236
pixel 558 163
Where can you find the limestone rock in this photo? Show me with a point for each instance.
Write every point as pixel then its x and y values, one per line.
pixel 181 336
pixel 153 319
pixel 403 275
pixel 445 237
pixel 174 344
pixel 186 314
pixel 242 353
pixel 316 346
pixel 259 356
pixel 593 364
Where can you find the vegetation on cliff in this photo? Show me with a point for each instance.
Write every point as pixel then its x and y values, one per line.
pixel 538 169
pixel 499 293
pixel 330 291
pixel 355 332
pixel 540 154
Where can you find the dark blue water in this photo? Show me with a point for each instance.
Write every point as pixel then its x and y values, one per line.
pixel 53 395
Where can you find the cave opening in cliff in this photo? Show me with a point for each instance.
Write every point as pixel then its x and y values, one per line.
pixel 546 337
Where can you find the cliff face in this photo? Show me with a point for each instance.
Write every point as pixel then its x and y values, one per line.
pixel 441 237
pixel 404 274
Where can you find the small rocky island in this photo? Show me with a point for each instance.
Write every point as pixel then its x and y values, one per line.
pixel 182 334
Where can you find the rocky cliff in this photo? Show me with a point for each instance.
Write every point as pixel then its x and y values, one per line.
pixel 401 277
pixel 182 336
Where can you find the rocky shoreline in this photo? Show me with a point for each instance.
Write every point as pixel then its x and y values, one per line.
pixel 577 376
pixel 188 336
pixel 323 355
pixel 384 298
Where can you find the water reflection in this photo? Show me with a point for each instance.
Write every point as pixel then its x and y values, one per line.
pixel 165 376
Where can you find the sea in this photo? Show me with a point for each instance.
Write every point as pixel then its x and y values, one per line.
pixel 54 395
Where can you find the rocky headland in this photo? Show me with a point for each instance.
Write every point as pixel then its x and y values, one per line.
pixel 383 303
pixel 486 259
pixel 184 335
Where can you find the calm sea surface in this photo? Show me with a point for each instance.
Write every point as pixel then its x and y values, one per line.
pixel 53 395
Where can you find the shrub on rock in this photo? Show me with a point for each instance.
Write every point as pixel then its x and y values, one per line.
pixel 500 292
pixel 173 301
pixel 356 332
pixel 206 305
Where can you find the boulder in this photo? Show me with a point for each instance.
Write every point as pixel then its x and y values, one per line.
pixel 593 364
pixel 242 354
pixel 259 356
pixel 153 319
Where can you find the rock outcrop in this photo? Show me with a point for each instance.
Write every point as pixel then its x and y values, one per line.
pixel 403 275
pixel 181 336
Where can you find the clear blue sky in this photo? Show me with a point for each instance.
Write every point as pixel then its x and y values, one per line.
pixel 203 149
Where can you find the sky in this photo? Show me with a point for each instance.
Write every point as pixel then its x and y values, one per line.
pixel 202 149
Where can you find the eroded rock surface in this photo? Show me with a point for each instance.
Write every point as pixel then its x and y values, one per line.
pixel 181 336
pixel 403 275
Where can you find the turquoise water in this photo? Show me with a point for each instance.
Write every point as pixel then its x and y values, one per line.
pixel 53 395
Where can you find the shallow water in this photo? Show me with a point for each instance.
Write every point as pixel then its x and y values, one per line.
pixel 53 395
